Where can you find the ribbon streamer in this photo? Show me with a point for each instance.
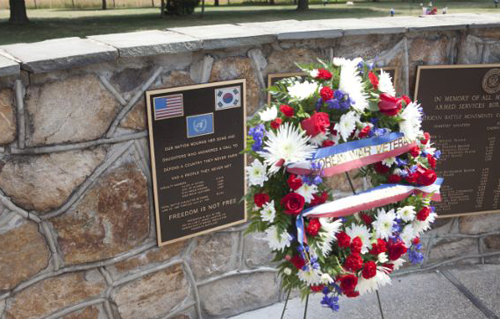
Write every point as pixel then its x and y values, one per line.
pixel 373 198
pixel 344 157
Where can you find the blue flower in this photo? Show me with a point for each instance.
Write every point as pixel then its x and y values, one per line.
pixel 437 154
pixel 333 104
pixel 319 103
pixel 338 95
pixel 257 134
pixel 401 162
pixel 415 257
pixel 317 180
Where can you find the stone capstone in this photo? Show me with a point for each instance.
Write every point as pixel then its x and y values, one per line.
pixel 53 294
pixel 214 255
pixel 478 224
pixel 233 68
pixel 149 258
pixel 7 117
pixel 256 250
pixel 8 66
pixel 111 218
pixel 24 251
pixel 237 294
pixel 73 110
pixel 45 182
pixel 90 312
pixel 153 295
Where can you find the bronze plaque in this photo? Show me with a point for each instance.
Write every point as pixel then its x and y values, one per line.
pixel 196 134
pixel 462 112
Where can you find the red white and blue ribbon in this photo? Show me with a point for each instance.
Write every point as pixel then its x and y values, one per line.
pixel 376 197
pixel 344 157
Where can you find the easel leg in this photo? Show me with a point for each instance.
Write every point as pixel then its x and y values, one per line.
pixel 305 309
pixel 286 302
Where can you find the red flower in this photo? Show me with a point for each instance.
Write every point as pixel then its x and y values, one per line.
pixel 423 213
pixel 294 182
pixel 317 123
pixel 327 143
pixel 287 110
pixel 348 283
pixel 415 151
pixel 326 93
pixel 379 247
pixel 369 270
pixel 260 199
pixel 426 177
pixel 373 80
pixel 426 139
pixel 381 168
pixel 353 262
pixel 343 239
pixel 351 294
pixel 356 245
pixel 293 203
pixel 406 99
pixel 366 218
pixel 416 241
pixel 431 160
pixel 411 178
pixel 396 250
pixel 298 262
pixel 394 178
pixel 276 123
pixel 324 74
pixel 317 288
pixel 389 105
pixel 364 131
pixel 313 227
pixel 321 199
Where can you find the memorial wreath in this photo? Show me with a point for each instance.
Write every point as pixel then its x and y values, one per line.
pixel 341 116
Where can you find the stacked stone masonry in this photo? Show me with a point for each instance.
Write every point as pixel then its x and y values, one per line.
pixel 77 231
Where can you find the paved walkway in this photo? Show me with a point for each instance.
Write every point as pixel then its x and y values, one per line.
pixel 460 292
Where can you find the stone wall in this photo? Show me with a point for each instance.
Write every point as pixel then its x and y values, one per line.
pixel 77 231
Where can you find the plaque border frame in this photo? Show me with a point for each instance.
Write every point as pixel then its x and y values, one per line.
pixel 153 164
pixel 456 66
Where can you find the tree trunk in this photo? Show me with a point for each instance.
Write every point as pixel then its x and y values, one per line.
pixel 18 12
pixel 216 3
pixel 303 5
pixel 162 8
pixel 271 2
pixel 104 5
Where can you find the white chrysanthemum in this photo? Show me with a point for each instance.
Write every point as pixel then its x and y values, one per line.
pixel 318 139
pixel 287 271
pixel 307 191
pixel 301 91
pixel 406 213
pixel 384 223
pixel 363 233
pixel 347 124
pixel 268 212
pixel 327 235
pixel 310 277
pixel 421 226
pixel 287 145
pixel 389 161
pixel 369 285
pixel 326 279
pixel 382 258
pixel 397 171
pixel 398 263
pixel 277 241
pixel 268 114
pixel 352 84
pixel 256 173
pixel 411 124
pixel 385 83
pixel 408 234
pixel 314 73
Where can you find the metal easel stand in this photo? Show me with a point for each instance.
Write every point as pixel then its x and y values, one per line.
pixel 307 298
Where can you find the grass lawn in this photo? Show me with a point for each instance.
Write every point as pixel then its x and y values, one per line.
pixel 58 23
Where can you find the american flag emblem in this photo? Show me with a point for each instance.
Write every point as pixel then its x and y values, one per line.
pixel 168 106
